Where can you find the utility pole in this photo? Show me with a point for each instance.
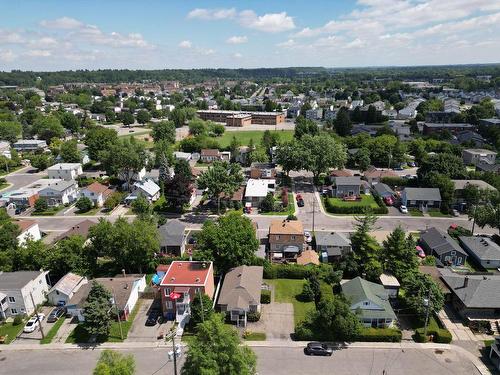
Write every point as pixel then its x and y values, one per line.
pixel 473 219
pixel 36 314
pixel 117 314
pixel 314 209
pixel 428 304
pixel 174 349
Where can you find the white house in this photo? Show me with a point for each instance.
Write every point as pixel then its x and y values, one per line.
pixel 18 288
pixel 65 171
pixel 66 288
pixel 257 190
pixel 30 145
pixel 134 176
pixel 5 149
pixel 96 192
pixel 61 192
pixel 147 189
pixel 29 230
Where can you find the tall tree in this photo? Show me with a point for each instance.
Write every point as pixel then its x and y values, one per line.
pixel 10 131
pixel 217 349
pixel 69 152
pixel 97 310
pixel 98 139
pixel 323 153
pixel 48 127
pixel 164 130
pixel 366 248
pixel 362 159
pixel 143 116
pixel 114 363
pixel 201 308
pixel 304 126
pixel 290 155
pixel 399 254
pixel 70 121
pixel 342 123
pixel 443 163
pixel 418 287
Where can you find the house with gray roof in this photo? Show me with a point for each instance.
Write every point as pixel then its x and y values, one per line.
pixel 370 302
pixel 60 192
pixel 65 288
pixel 347 186
pixel 332 246
pixel 440 244
pixel 483 250
pixel 473 156
pixel 421 198
pixel 486 167
pixel 383 190
pixel 474 296
pixel 172 238
pixel 461 185
pixel 240 293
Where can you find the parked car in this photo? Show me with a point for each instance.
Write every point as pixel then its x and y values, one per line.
pixel 317 348
pixel 153 318
pixel 298 197
pixel 455 213
pixel 420 252
pixel 388 201
pixel 55 314
pixel 300 203
pixel 403 209
pixel 33 323
pixel 308 237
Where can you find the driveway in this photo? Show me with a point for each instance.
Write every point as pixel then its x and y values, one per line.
pixel 139 332
pixel 35 336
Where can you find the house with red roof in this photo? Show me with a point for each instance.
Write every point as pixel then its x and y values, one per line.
pixel 97 193
pixel 179 285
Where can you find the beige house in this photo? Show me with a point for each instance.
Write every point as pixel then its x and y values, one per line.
pixel 286 239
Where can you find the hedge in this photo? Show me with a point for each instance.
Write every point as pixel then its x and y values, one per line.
pixel 380 335
pixel 286 271
pixel 265 296
pixel 381 210
pixel 253 316
pixel 440 335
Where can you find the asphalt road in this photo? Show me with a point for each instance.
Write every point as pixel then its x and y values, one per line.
pixel 23 177
pixel 270 360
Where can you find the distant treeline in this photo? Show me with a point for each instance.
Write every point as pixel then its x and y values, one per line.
pixel 30 78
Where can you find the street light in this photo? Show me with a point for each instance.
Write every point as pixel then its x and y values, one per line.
pixel 176 350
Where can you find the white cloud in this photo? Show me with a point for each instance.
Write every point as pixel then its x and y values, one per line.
pixel 65 23
pixel 7 55
pixel 11 37
pixel 185 44
pixel 38 53
pixel 289 43
pixel 237 40
pixel 212 14
pixel 237 55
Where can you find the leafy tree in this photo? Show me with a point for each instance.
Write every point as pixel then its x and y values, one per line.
pixel 197 127
pixel 269 140
pixel 179 189
pixel 48 127
pixel 323 153
pixel 382 149
pixel 70 121
pixel 141 207
pixel 290 155
pixel 113 200
pixel 304 126
pixel 10 131
pixel 178 116
pixel 399 254
pixel 127 118
pixel 97 310
pixel 307 294
pixel 258 155
pixel 69 255
pixel 69 152
pixel 417 286
pixel 41 204
pixel 486 214
pixel 371 115
pixel 30 256
pixel 315 288
pixel 362 159
pixel 143 116
pixel 201 308
pixel 84 204
pixel 342 122
pixel 221 177
pixel 114 363
pixel 164 130
pixel 366 248
pixel 230 241
pixel 443 163
pixel 99 139
pixel 216 349
pixel 267 204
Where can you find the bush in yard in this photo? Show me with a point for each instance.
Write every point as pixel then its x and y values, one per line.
pixel 265 296
pixel 459 231
pixel 291 217
pixel 440 335
pixel 41 204
pixel 253 316
pixel 307 294
pixel 113 200
pixel 267 204
pixel 84 204
pixel 379 334
pixel 18 319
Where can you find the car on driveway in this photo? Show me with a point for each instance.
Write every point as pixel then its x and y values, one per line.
pixel 33 323
pixel 153 317
pixel 300 203
pixel 318 348
pixel 55 314
pixel 403 209
pixel 388 201
pixel 308 237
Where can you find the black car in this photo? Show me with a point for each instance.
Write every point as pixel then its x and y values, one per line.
pixel 55 314
pixel 317 348
pixel 300 203
pixel 153 318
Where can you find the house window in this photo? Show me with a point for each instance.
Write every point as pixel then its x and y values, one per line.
pixel 57 292
pixel 13 311
pixel 453 253
pixel 460 260
pixel 167 292
pixel 366 303
pixel 169 304
pixel 12 299
pixel 293 238
pixel 277 237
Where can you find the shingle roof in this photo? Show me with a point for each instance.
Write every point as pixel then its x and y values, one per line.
pixel 286 227
pixel 478 291
pixel 172 233
pixel 331 239
pixel 148 186
pixel 440 242
pixel 60 186
pixel 358 290
pixel 96 188
pixel 355 180
pixel 381 188
pixel 461 184
pixel 482 247
pixel 24 224
pixel 241 288
pixel 80 229
pixel 423 194
pixel 18 279
pixel 210 152
pixel 308 257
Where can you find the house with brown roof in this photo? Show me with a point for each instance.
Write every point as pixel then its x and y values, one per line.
pixel 97 193
pixel 240 293
pixel 286 239
pixel 340 173
pixel 308 257
pixel 80 229
pixel 375 175
pixel 209 155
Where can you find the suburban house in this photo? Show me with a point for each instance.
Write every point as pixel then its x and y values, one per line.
pixel 97 193
pixel 308 257
pixel 23 198
pixel 146 188
pixel 390 284
pixel 370 302
pixel 60 192
pixel 347 186
pixel 172 238
pixel 474 296
pixel 134 176
pixel 474 156
pixel 262 170
pixel 65 288
pixel 332 246
pixel 18 288
pixel 460 185
pixel 29 230
pixel 179 155
pixel 373 174
pixel 383 190
pixel 80 229
pixel 439 244
pixel 421 198
pixel 65 171
pixel 240 293
pixel 209 155
pixel 486 167
pixel 339 173
pixel 286 239
pixel 179 285
pixel 257 190
pixel 29 145
pixel 483 250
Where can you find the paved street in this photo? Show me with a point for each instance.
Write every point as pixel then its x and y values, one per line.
pixel 271 360
pixel 23 177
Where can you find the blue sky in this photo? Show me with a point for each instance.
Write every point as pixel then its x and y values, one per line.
pixel 91 34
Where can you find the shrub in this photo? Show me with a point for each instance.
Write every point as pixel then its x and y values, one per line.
pixel 440 335
pixel 253 316
pixel 307 294
pixel 265 296
pixel 84 204
pixel 18 319
pixel 113 200
pixel 459 231
pixel 291 217
pixel 303 333
pixel 379 334
pixel 429 260
pixel 41 204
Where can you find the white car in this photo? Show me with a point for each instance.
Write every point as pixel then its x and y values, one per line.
pixel 403 209
pixel 308 237
pixel 33 323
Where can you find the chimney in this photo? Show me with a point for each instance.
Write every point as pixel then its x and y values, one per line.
pixel 466 281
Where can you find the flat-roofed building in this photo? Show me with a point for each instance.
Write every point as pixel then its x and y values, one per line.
pixel 258 118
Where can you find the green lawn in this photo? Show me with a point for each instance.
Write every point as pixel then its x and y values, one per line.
pixel 289 211
pixel 78 336
pixel 53 331
pixel 437 213
pixel 256 135
pixel 287 290
pixel 415 212
pixel 366 201
pixel 90 212
pixel 51 211
pixel 255 336
pixel 11 330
